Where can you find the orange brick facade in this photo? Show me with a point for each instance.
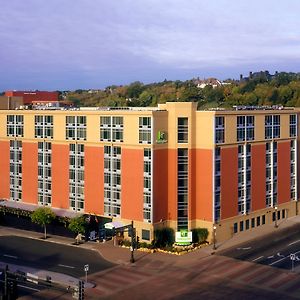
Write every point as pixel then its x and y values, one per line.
pixel 118 179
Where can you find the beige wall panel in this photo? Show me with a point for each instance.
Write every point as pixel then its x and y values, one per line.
pixel 93 128
pixel 3 119
pixel 131 129
pixel 259 130
pixel 230 129
pixel 284 126
pixel 204 130
pixel 59 121
pixel 28 126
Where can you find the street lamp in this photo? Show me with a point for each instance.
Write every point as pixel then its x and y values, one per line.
pixel 214 237
pixel 276 225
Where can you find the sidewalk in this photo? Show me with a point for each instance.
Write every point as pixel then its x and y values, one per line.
pixel 122 256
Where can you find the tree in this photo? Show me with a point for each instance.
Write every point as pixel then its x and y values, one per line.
pixel 43 216
pixel 77 225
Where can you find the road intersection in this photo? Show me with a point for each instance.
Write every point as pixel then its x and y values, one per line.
pixel 280 249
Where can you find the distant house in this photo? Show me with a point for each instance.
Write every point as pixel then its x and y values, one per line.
pixel 34 97
pixel 202 83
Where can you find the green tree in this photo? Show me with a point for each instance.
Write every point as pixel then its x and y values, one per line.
pixel 77 225
pixel 43 216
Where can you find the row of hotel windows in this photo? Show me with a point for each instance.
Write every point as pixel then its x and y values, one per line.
pixel 112 177
pixel 245 128
pixel 258 221
pixel 111 128
pixel 244 177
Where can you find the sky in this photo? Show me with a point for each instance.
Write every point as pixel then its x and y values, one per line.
pixel 90 44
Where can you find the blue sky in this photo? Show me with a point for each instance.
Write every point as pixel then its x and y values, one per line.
pixel 72 44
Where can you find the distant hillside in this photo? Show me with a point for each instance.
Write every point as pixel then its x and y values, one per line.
pixel 259 88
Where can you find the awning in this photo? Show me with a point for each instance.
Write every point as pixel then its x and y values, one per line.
pixel 60 212
pixel 114 225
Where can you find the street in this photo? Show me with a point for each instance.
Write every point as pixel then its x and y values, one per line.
pixel 280 249
pixel 50 256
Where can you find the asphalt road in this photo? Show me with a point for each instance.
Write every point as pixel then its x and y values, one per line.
pixel 275 249
pixel 50 256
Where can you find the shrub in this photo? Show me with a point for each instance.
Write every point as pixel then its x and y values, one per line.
pixel 199 235
pixel 164 237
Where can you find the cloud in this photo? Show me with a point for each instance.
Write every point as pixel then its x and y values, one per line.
pixel 91 38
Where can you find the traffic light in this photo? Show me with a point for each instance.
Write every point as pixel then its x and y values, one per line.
pixel 12 289
pixel 137 241
pixel 80 290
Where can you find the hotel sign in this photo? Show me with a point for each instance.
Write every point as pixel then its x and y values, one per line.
pixel 183 237
pixel 161 137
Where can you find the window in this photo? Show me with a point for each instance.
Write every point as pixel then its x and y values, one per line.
pixel 76 128
pixel 217 202
pixel 247 224
pixel 76 176
pixel 44 173
pixel 145 234
pixel 235 228
pixel 272 126
pixel 293 125
pixel 258 221
pixel 15 167
pixel 245 128
pixel 145 122
pixel 252 222
pixel 15 125
pixel 147 194
pixel 145 130
pixel 219 130
pixel 112 180
pixel 182 189
pixel 43 127
pixel 182 130
pixel 241 225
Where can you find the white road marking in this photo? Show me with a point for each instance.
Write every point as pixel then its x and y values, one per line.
pixel 294 243
pixel 275 262
pixel 257 258
pixel 245 248
pixel 10 256
pixel 65 266
pixel 28 287
pixel 271 256
pixel 288 256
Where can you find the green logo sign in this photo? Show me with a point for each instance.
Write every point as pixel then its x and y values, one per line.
pixel 161 137
pixel 183 237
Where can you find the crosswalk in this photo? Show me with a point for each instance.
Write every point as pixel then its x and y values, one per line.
pixel 117 279
pixel 182 280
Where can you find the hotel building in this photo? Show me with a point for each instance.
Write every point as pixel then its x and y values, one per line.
pixel 171 165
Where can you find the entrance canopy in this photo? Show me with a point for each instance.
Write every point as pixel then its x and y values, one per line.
pixel 113 225
pixel 31 207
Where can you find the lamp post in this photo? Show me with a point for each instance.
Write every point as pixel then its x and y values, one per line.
pixel 132 242
pixel 276 225
pixel 214 237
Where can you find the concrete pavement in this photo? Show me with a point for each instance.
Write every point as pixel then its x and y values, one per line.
pixel 154 265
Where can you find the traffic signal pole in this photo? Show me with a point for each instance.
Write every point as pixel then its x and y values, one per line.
pixel 132 243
